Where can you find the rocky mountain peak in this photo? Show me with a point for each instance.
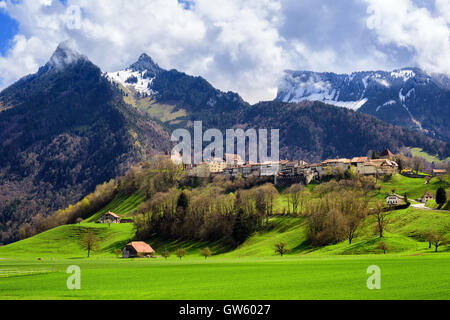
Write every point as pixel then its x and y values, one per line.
pixel 65 54
pixel 146 63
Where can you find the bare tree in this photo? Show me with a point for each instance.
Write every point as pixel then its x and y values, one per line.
pixel 294 196
pixel 380 214
pixel 383 246
pixel 89 242
pixel 281 248
pixel 417 163
pixel 165 254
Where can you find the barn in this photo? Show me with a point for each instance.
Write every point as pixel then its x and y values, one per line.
pixel 110 217
pixel 137 249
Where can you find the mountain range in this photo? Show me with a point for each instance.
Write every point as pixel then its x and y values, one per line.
pixel 70 126
pixel 408 97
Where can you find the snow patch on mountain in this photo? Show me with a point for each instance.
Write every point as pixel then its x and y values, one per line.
pixel 404 74
pixel 135 79
pixel 312 88
pixel 389 103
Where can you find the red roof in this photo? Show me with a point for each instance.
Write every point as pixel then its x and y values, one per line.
pixel 109 213
pixel 359 159
pixel 141 247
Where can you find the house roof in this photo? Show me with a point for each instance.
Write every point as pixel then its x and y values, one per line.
pixel 359 159
pixel 342 160
pixel 381 162
pixel 386 153
pixel 141 247
pixel 394 195
pixel 109 213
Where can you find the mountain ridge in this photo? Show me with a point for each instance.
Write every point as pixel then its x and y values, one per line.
pixel 66 130
pixel 408 97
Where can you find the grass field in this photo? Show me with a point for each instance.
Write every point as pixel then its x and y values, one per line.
pixel 35 268
pixel 430 158
pixel 414 187
pixel 402 277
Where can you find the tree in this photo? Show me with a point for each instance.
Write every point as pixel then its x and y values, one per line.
pixel 165 254
pixel 428 235
pixel 89 242
pixel 183 201
pixel 294 196
pixel 180 253
pixel 441 197
pixel 383 246
pixel 418 163
pixel 352 223
pixel 206 252
pixel 241 229
pixel 281 248
pixel 438 240
pixel 380 214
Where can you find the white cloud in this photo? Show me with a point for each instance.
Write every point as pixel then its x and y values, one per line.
pixel 233 44
pixel 237 45
pixel 404 24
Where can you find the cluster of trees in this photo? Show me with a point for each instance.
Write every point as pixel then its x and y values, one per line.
pixel 206 213
pixel 336 215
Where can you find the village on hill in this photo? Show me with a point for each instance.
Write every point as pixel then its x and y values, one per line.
pixel 298 171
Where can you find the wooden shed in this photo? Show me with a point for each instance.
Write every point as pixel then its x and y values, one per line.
pixel 137 249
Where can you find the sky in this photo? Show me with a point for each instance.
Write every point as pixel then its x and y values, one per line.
pixel 237 45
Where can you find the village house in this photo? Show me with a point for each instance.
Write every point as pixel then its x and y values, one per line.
pixel 216 165
pixel 386 154
pixel 377 166
pixel 110 217
pixel 137 249
pixel 201 170
pixel 439 172
pixel 233 159
pixel 427 196
pixel 330 166
pixel 358 160
pixel 393 200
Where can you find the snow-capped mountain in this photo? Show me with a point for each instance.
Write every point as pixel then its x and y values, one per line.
pixel 407 97
pixel 139 75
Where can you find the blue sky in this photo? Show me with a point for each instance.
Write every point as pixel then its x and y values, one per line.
pixel 8 28
pixel 238 45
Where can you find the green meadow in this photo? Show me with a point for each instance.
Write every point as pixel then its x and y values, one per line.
pixel 35 268
pixel 292 277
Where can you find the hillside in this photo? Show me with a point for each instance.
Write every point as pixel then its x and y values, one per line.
pixel 309 131
pixel 408 97
pixel 70 127
pixel 404 229
pixel 66 130
pixel 35 268
pixel 315 131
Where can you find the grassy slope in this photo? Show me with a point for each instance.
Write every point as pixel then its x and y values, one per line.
pixel 430 158
pixel 62 242
pixel 253 271
pixel 162 112
pixel 122 205
pixel 414 187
